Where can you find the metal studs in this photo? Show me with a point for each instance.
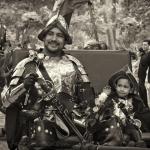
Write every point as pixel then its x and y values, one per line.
pixel 107 129
pixel 32 135
pixel 46 131
pixel 50 133
pixel 39 128
pixel 111 127
pixel 118 125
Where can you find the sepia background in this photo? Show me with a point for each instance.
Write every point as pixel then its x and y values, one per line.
pixel 121 24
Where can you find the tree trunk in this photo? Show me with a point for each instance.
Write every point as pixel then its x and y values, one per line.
pixel 109 17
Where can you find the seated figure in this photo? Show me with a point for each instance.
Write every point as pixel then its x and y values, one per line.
pixel 113 120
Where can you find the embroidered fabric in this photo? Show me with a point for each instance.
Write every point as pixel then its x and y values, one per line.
pixel 62 73
pixel 127 105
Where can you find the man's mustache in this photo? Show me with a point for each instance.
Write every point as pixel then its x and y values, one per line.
pixel 53 42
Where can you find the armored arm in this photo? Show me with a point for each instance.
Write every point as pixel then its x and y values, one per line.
pixel 16 87
pixel 13 95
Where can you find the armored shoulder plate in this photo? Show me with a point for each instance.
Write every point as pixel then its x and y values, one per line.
pixel 75 60
pixel 79 66
pixel 20 70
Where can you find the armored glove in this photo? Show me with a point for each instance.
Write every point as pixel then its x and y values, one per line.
pixel 30 80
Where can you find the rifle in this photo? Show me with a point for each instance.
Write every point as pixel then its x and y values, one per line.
pixel 52 98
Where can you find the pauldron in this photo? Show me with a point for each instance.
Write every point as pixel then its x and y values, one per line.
pixel 19 70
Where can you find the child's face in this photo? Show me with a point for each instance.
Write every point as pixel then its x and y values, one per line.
pixel 123 87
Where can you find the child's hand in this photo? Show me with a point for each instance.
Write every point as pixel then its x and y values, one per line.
pixel 107 90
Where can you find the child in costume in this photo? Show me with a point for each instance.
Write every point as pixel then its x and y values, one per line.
pixel 120 101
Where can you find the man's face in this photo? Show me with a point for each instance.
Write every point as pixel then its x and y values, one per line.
pixel 54 40
pixel 145 46
pixel 123 88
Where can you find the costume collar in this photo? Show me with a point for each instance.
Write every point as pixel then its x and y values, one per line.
pixel 43 54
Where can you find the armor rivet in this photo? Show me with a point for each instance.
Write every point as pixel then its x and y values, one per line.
pixel 46 131
pixel 111 127
pixel 39 128
pixel 33 131
pixel 107 129
pixel 50 133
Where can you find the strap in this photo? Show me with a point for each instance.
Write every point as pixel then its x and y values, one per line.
pixel 44 72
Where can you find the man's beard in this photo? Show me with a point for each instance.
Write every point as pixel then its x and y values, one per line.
pixel 56 51
pixel 54 42
pixel 52 45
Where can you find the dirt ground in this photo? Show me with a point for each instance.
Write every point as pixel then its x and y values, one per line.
pixel 3 145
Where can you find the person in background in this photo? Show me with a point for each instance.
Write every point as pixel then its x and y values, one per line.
pixel 92 45
pixel 141 52
pixel 142 71
pixel 103 46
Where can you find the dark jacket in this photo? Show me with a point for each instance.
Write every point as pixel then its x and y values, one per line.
pixel 138 105
pixel 143 66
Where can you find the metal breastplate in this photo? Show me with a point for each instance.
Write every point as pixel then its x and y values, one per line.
pixel 62 73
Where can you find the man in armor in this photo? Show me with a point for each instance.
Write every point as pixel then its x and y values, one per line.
pixel 43 89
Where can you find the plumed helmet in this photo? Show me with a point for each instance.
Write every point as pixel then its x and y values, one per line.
pixel 59 22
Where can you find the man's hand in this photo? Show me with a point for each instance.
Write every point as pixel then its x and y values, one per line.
pixel 30 80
